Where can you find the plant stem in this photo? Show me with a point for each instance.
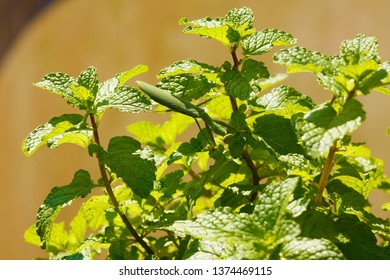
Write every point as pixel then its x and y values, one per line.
pixel 245 153
pixel 325 173
pixel 111 195
pixel 235 58
pixel 255 175
pixel 236 64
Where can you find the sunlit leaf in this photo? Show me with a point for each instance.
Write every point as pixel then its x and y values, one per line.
pixel 263 41
pixel 68 128
pixel 311 249
pixel 320 127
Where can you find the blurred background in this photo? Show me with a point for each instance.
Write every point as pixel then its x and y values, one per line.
pixel 42 36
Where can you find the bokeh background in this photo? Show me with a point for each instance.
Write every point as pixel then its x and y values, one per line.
pixel 42 36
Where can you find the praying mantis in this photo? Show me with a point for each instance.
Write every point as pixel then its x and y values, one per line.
pixel 185 107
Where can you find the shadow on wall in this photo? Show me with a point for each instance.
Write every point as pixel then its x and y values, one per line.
pixel 116 35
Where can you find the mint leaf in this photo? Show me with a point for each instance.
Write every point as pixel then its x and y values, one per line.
pixel 320 127
pixel 281 97
pixel 285 101
pixel 68 128
pixel 113 94
pixel 129 161
pixel 271 207
pixel 88 79
pixel 240 17
pixel 241 84
pixel 345 199
pixel 263 41
pixel 60 83
pixel 238 121
pixel 186 86
pixel 298 59
pixel 316 224
pixel 93 211
pixel 234 196
pixel 278 133
pixel 310 249
pixel 356 69
pixel 188 66
pixel 235 26
pixel 298 164
pixel 171 183
pixel 357 241
pixel 240 22
pixel 156 134
pixel 58 198
pixel 78 92
pixel 127 75
pixel 122 98
pixel 209 28
pixel 243 231
pixel 360 49
pixel 221 224
pixel 86 93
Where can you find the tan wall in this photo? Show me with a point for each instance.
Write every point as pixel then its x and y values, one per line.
pixel 115 35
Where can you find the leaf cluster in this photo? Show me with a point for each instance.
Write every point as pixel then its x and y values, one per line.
pixel 268 174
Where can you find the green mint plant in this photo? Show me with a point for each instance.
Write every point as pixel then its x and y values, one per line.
pixel 269 174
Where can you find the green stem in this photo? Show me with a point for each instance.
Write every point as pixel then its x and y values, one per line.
pixel 245 153
pixel 236 64
pixel 325 174
pixel 329 161
pixel 255 175
pixel 111 195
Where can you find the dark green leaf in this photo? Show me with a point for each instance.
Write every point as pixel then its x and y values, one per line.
pixel 346 200
pixel 134 165
pixel 236 146
pixel 253 70
pixel 372 81
pixel 171 183
pixel 74 257
pixel 235 195
pixel 238 121
pixel 242 84
pixel 358 242
pixel 315 224
pixel 278 133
